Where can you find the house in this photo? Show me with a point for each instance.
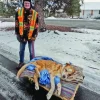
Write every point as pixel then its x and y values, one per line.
pixel 90 10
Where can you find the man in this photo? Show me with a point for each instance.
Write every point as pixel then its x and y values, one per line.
pixel 26 29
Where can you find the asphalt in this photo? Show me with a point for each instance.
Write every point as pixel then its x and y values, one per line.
pixel 85 94
pixel 10 65
pixel 1 97
pixel 89 24
pixel 75 23
pixel 82 93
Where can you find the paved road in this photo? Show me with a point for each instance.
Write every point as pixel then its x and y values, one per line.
pixel 92 24
pixel 85 94
pixel 82 94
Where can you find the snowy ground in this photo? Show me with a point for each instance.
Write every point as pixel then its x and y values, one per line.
pixel 80 48
pixel 10 89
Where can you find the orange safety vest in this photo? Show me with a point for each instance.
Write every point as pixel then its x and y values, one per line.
pixel 32 23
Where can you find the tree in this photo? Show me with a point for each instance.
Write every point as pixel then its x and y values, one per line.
pixel 52 6
pixel 8 11
pixel 1 8
pixel 70 7
pixel 73 8
pixel 39 9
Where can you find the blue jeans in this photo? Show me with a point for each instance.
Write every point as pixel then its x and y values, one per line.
pixel 22 50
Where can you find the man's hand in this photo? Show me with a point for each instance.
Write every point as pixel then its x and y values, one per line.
pixel 21 38
pixel 32 39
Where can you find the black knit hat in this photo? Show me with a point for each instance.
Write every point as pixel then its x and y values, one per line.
pixel 27 0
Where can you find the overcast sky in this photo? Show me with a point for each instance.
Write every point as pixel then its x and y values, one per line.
pixel 92 0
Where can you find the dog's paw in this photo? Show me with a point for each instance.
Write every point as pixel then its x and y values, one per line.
pixel 36 87
pixel 48 96
pixel 58 92
pixel 17 79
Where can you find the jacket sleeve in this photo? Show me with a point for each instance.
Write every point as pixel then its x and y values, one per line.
pixel 16 24
pixel 35 32
pixel 37 23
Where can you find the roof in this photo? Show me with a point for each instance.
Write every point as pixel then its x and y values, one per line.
pixel 91 6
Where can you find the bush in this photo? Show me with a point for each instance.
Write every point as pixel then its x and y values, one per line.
pixel 10 11
pixel 2 9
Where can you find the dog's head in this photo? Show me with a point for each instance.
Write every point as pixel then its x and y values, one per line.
pixel 67 71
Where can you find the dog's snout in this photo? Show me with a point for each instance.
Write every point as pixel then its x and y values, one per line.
pixel 64 76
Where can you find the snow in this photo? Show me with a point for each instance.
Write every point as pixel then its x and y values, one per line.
pixel 6 24
pixel 80 48
pixel 74 18
pixel 9 87
pixel 51 17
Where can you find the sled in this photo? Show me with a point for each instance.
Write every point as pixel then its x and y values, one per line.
pixel 68 90
pixel 44 90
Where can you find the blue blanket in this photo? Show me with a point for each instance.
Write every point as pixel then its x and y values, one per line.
pixel 31 67
pixel 41 58
pixel 45 78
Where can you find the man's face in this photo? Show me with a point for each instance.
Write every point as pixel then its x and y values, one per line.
pixel 27 4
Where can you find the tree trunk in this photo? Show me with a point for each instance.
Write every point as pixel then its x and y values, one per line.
pixel 39 9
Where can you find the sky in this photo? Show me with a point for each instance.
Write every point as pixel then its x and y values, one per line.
pixel 92 0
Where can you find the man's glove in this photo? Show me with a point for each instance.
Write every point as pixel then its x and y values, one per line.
pixel 21 38
pixel 32 39
pixel 18 38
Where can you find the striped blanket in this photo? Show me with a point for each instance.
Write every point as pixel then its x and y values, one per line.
pixel 68 89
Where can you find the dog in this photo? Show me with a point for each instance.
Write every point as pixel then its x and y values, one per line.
pixel 54 69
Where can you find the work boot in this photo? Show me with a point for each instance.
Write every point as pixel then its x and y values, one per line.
pixel 19 66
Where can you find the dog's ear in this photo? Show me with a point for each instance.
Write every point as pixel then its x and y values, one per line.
pixel 67 64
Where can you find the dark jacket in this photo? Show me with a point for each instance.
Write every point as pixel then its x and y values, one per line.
pixel 27 18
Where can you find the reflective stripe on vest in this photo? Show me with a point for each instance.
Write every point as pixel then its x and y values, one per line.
pixel 32 23
pixel 20 18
